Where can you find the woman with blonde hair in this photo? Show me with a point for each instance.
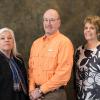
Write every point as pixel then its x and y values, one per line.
pixel 13 77
pixel 87 61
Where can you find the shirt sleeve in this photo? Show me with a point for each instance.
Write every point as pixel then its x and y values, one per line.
pixel 30 71
pixel 63 70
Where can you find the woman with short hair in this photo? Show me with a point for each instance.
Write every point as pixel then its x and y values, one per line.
pixel 87 61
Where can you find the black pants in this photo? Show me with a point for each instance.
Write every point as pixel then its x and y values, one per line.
pixel 59 94
pixel 20 96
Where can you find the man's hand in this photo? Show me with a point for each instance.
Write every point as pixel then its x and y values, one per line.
pixel 34 95
pixel 31 95
pixel 37 93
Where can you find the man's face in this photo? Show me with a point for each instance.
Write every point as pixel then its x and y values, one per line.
pixel 51 22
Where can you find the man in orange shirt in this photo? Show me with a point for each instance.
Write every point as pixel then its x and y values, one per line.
pixel 50 62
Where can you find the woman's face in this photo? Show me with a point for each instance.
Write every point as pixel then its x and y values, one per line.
pixel 6 41
pixel 90 32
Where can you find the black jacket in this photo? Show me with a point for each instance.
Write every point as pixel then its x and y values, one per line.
pixel 6 79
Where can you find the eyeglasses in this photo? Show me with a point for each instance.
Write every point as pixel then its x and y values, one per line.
pixel 50 20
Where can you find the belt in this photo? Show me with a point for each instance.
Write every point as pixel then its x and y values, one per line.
pixel 61 87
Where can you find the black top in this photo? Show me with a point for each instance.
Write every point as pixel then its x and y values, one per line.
pixel 6 79
pixel 87 73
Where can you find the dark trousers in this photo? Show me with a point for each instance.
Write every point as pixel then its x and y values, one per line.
pixel 59 94
pixel 20 96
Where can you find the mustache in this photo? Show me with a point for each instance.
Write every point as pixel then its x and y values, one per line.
pixel 48 26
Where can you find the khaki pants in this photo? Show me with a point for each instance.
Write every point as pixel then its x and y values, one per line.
pixel 59 94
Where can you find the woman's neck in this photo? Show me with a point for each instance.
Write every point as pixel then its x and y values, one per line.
pixel 6 53
pixel 92 44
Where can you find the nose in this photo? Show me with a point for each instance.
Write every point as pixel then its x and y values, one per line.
pixel 49 21
pixel 6 39
pixel 88 29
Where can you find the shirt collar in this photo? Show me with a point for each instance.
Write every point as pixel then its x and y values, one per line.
pixel 48 37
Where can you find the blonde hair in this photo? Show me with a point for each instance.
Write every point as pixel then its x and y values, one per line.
pixel 14 50
pixel 95 20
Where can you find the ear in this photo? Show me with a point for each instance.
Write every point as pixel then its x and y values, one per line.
pixel 59 22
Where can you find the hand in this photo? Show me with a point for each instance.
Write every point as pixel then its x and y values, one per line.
pixel 31 95
pixel 35 95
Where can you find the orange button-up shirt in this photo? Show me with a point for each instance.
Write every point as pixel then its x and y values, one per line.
pixel 50 62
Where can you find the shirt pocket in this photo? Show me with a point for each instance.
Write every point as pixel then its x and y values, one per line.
pixel 51 54
pixel 51 60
